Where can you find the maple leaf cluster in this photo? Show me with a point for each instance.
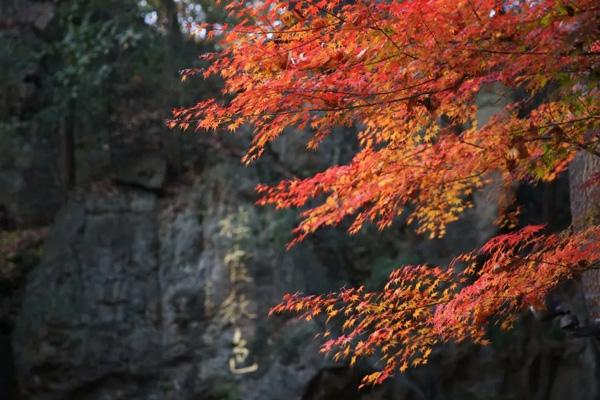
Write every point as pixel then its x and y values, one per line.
pixel 406 74
pixel 421 306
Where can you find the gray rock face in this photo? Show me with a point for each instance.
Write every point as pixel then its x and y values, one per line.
pixel 29 183
pixel 142 297
pixel 138 298
pixel 105 276
pixel 30 191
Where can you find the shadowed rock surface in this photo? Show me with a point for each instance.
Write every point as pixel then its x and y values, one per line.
pixel 129 302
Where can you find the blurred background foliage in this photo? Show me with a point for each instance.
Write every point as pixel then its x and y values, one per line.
pixel 102 72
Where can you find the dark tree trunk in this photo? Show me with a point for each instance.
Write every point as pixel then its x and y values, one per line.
pixel 585 211
pixel 170 22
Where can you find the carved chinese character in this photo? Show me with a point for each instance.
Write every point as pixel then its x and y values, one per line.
pixel 238 273
pixel 235 307
pixel 240 355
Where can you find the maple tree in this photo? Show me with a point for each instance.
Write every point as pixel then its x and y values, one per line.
pixel 406 73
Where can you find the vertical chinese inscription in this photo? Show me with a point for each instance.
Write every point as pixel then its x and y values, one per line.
pixel 236 307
